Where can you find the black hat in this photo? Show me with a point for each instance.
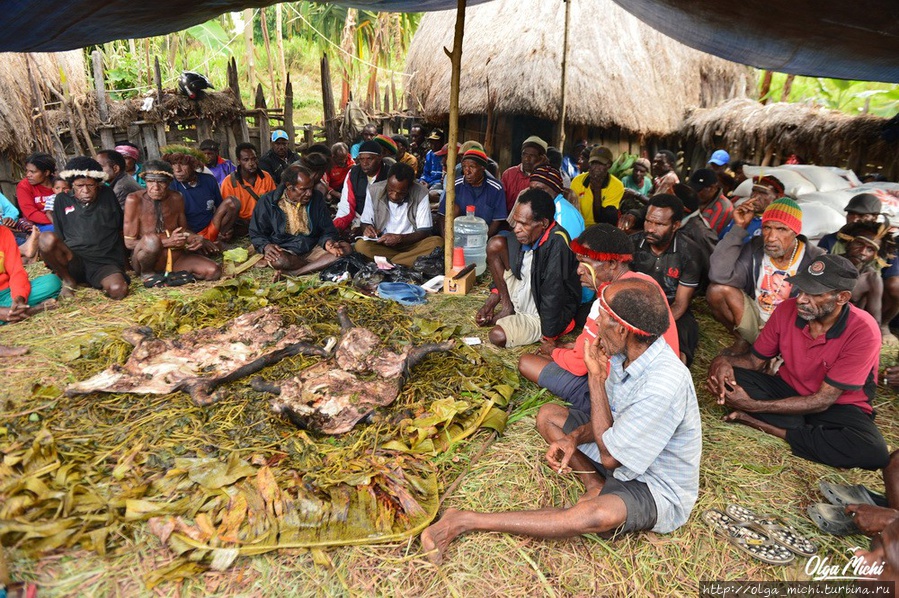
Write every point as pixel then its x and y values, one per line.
pixel 703 178
pixel 826 273
pixel 370 147
pixel 688 196
pixel 864 203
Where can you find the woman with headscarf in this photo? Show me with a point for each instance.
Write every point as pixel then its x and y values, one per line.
pixel 33 191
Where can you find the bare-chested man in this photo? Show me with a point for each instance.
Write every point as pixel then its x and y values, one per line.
pixel 870 247
pixel 156 229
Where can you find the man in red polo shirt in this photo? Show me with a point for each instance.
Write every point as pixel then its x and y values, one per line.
pixel 819 401
pixel 516 179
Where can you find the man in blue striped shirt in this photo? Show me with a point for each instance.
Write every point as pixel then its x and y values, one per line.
pixel 638 449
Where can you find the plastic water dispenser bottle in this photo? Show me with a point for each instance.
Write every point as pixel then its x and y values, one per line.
pixel 470 233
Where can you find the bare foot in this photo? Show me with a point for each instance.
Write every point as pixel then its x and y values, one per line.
pixel 485 316
pixel 12 351
pixel 67 292
pixel 29 247
pixel 507 310
pixel 590 494
pixel 438 536
pixel 741 417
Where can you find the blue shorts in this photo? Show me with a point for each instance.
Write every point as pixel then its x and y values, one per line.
pixel 566 386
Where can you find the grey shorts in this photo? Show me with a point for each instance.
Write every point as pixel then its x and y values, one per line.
pixel 566 386
pixel 641 506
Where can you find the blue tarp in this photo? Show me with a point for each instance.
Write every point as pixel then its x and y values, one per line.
pixel 847 39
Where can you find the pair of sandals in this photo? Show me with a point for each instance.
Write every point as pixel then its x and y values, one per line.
pixel 169 279
pixel 831 517
pixel 764 537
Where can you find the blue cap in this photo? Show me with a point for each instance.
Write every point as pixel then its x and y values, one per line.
pixel 279 134
pixel 720 158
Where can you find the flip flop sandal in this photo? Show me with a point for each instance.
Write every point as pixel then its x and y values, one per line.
pixel 843 495
pixel 774 528
pixel 832 519
pixel 753 542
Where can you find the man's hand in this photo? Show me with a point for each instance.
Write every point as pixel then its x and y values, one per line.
pixel 559 454
pixel 721 374
pixel 338 248
pixel 626 222
pixel 15 313
pixel 596 359
pixel 272 253
pixel 744 213
pixel 201 245
pixel 370 231
pixel 871 520
pixel 737 399
pixel 391 240
pixel 177 240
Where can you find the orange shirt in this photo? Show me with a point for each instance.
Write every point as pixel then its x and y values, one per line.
pixel 233 187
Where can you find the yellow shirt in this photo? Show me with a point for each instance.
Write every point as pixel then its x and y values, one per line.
pixel 611 195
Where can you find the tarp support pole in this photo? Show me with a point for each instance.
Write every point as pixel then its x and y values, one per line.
pixel 562 108
pixel 450 203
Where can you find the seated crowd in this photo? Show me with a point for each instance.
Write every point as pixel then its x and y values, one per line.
pixel 571 245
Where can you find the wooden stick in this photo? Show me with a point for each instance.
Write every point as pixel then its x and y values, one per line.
pixel 563 106
pixel 456 61
pixel 268 52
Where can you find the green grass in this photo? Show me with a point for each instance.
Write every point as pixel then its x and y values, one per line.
pixel 738 465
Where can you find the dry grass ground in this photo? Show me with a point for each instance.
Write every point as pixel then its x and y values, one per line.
pixel 739 465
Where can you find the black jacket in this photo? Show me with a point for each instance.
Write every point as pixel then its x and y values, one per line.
pixel 554 279
pixel 269 224
pixel 274 165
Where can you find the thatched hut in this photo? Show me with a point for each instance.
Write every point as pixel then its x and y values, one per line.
pixel 628 85
pixel 43 94
pixel 768 134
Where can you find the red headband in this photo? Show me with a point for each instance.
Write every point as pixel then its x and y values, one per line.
pixel 604 305
pixel 599 256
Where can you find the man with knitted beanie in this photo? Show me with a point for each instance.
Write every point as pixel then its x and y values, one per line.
pixel 749 280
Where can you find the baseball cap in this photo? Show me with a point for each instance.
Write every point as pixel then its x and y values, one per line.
pixel 445 149
pixel 600 154
pixel 279 134
pixel 826 273
pixel 703 178
pixel 370 147
pixel 719 158
pixel 864 203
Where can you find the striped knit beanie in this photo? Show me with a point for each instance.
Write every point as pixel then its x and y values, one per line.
pixel 387 143
pixel 549 176
pixel 786 211
pixel 476 155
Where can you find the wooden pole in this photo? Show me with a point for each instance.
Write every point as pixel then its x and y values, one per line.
pixel 248 43
pixel 456 61
pixel 328 101
pixel 562 108
pixel 234 80
pixel 279 35
pixel 788 87
pixel 268 53
pixel 766 87
pixel 100 86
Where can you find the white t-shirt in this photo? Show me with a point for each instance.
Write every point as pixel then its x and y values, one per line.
pixel 771 287
pixel 397 221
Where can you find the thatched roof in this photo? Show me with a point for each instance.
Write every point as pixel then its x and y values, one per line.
pixel 64 71
pixel 217 106
pixel 821 136
pixel 620 71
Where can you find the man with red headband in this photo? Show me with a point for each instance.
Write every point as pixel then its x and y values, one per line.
pixel 633 480
pixel 604 254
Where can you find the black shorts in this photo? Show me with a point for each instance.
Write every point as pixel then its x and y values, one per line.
pixel 93 273
pixel 642 513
